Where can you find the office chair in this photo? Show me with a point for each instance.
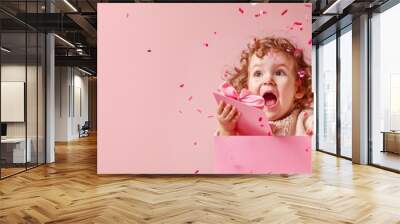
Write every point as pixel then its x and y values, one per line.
pixel 84 130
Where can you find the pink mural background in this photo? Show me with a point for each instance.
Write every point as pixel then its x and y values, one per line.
pixel 158 65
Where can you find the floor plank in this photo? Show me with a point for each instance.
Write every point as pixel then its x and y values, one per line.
pixel 70 191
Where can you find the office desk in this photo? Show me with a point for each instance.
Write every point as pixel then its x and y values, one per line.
pixel 13 150
pixel 391 141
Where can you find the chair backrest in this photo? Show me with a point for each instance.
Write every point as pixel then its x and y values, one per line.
pixel 86 125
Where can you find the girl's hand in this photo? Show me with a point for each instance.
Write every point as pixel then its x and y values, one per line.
pixel 227 116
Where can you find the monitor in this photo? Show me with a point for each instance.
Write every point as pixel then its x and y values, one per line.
pixel 3 129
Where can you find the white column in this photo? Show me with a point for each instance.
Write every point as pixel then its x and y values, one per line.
pixel 50 93
pixel 360 90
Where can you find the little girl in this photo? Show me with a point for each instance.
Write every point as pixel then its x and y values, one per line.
pixel 275 70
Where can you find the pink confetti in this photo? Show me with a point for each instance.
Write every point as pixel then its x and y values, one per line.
pixel 215 33
pixel 264 12
pixel 180 111
pixel 127 15
pixel 241 10
pixel 257 15
pixel 284 12
pixel 261 125
pixel 190 98
pixel 301 28
pixel 196 172
pixel 310 42
pixel 308 5
pixel 269 133
pixel 181 85
pixel 194 143
pixel 297 23
pixel 148 50
pixel 210 116
pixel 199 110
pixel 306 149
pixel 259 119
pixel 309 132
pixel 206 44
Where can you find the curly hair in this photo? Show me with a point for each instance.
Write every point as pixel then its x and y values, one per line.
pixel 239 77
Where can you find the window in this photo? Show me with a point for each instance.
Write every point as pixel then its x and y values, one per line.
pixel 385 89
pixel 327 96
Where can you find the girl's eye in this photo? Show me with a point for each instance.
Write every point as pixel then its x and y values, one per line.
pixel 257 74
pixel 280 73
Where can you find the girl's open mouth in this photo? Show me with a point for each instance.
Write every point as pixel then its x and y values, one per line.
pixel 270 99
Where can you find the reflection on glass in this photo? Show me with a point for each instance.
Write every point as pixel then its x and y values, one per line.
pixel 346 94
pixel 385 84
pixel 327 96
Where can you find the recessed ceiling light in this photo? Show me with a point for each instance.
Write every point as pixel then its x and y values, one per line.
pixel 70 5
pixel 84 71
pixel 64 40
pixel 5 50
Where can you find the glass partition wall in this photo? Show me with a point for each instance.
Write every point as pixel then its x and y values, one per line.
pixel 22 88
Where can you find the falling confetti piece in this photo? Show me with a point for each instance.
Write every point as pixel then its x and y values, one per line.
pixel 259 119
pixel 261 125
pixel 310 42
pixel 257 15
pixel 206 44
pixel 181 85
pixel 210 116
pixel 308 5
pixel 196 172
pixel 194 143
pixel 215 33
pixel 190 98
pixel 199 110
pixel 241 10
pixel 269 133
pixel 264 12
pixel 301 28
pixel 297 23
pixel 284 12
pixel 306 149
pixel 127 15
pixel 309 132
pixel 180 111
pixel 148 50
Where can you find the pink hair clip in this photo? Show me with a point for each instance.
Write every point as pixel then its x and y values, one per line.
pixel 301 74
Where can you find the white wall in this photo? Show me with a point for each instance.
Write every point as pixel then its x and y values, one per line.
pixel 71 93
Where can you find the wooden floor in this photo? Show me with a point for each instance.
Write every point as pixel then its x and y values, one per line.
pixel 69 191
